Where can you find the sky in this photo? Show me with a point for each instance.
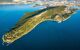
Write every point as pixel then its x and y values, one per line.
pixel 12 0
pixel 5 0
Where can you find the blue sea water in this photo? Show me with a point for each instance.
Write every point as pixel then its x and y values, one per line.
pixel 48 35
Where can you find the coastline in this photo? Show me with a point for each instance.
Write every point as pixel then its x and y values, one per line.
pixel 26 32
pixel 69 16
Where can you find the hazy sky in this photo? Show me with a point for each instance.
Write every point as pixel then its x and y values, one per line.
pixel 11 0
pixel 5 0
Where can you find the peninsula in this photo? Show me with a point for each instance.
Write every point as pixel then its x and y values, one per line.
pixel 30 20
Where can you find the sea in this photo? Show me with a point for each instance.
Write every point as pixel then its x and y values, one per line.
pixel 48 35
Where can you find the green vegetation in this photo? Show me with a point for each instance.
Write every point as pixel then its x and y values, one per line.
pixel 30 20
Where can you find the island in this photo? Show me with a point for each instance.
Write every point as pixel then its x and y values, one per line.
pixel 30 20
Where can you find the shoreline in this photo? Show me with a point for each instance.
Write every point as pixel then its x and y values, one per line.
pixel 20 29
pixel 69 16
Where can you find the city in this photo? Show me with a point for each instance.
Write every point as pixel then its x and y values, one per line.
pixel 43 2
